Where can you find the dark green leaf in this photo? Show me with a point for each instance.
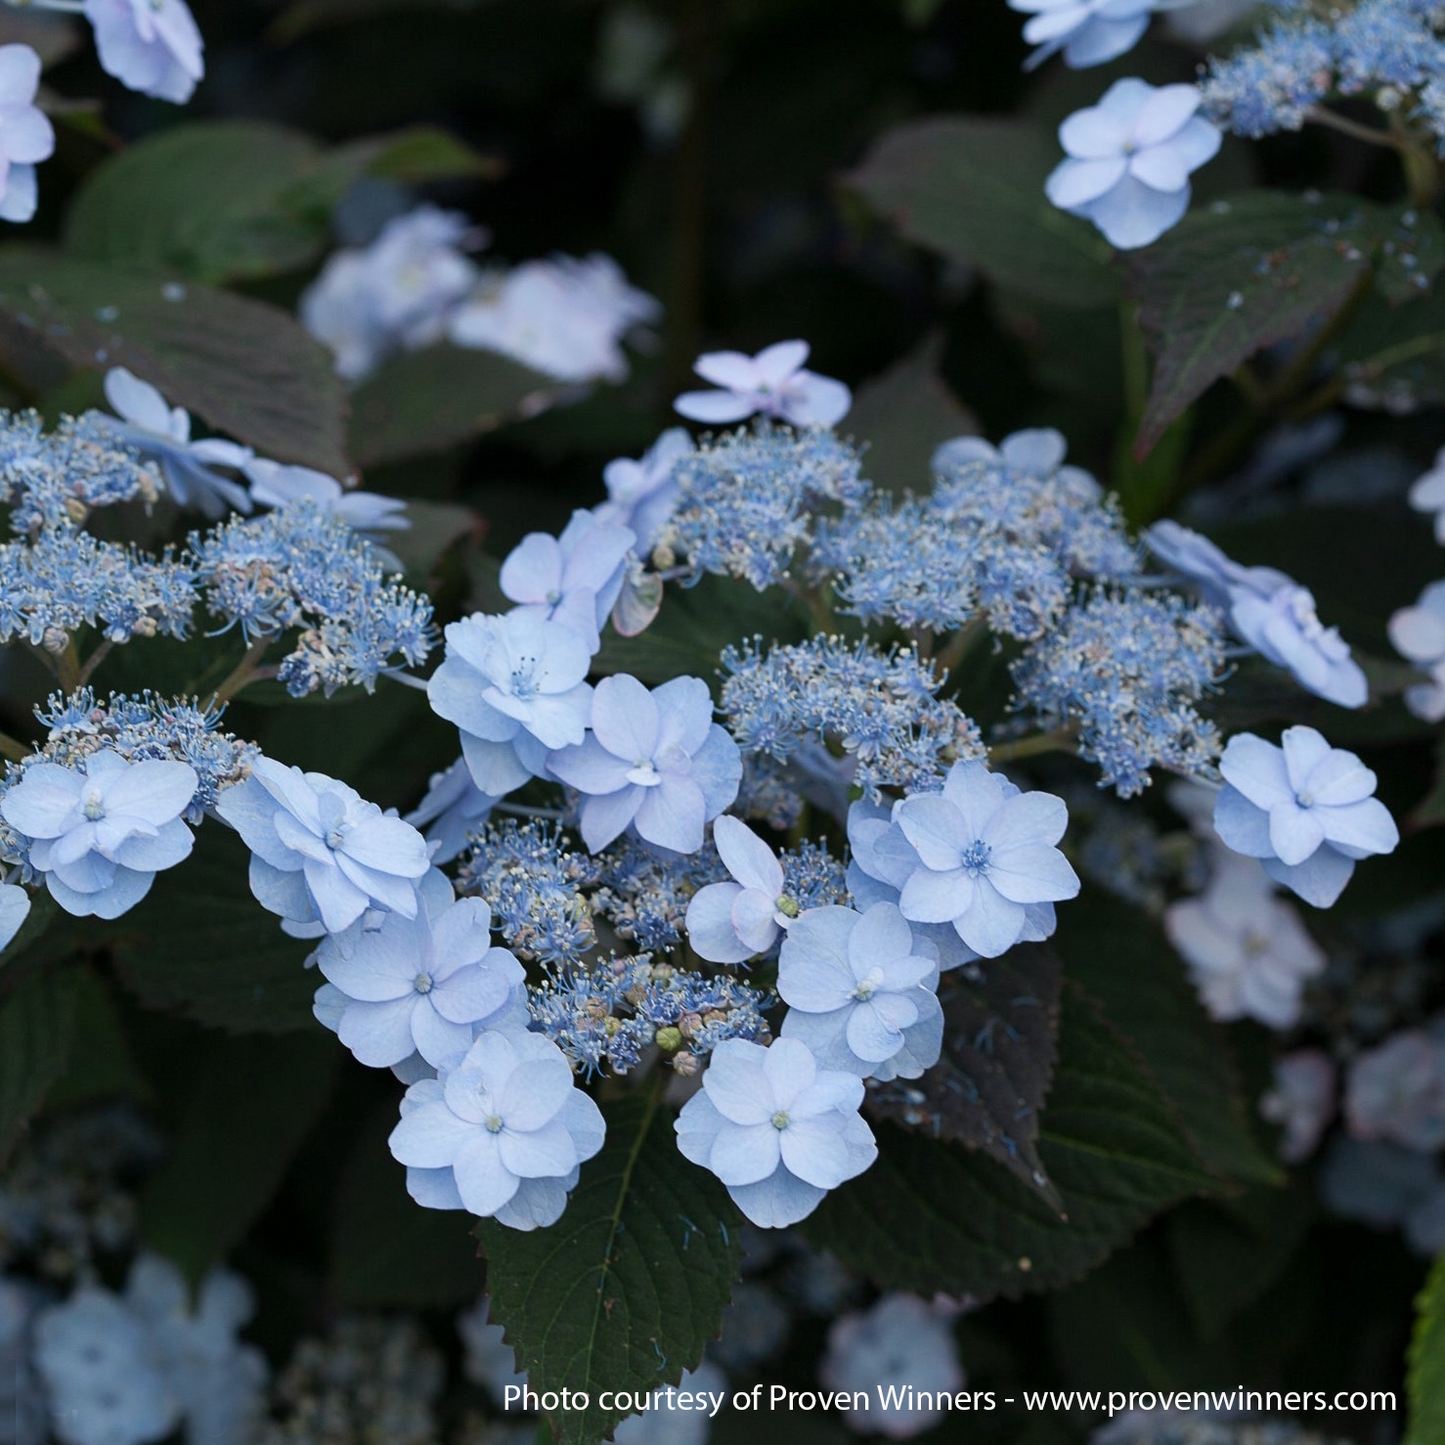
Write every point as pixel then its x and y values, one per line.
pixel 247 1112
pixel 1427 1362
pixel 101 1061
pixel 418 154
pixel 200 944
pixel 931 1217
pixel 973 188
pixel 623 1292
pixel 206 200
pixel 386 1251
pixel 37 1021
pixel 247 367
pixel 1431 809
pixel 1129 966
pixel 903 416
pixel 1244 273
pixel 1393 358
pixel 425 401
pixel 999 1038
pixel 434 527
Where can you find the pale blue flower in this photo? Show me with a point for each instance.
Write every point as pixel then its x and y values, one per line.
pixel 1301 1100
pixel 1418 633
pixel 500 1135
pixel 1427 494
pixel 14 909
pixel 665 1422
pixel 654 761
pixel 860 992
pixel 901 1345
pixel 100 833
pixel 1089 32
pixel 984 853
pixel 733 921
pixel 487 1359
pixel 1130 158
pixel 1306 810
pixel 276 485
pixel 26 135
pixel 1396 1091
pixel 1268 610
pixel 772 383
pixel 642 494
pixel 516 687
pixel 453 809
pixel 776 1129
pixel 425 985
pixel 574 578
pixel 152 46
pixel 319 850
pixel 162 434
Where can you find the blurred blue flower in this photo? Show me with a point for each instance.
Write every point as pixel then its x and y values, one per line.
pixel 1089 32
pixel 151 46
pixel 26 135
pixel 14 910
pixel 641 494
pixel 772 383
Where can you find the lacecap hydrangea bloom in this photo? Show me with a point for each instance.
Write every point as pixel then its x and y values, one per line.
pixel 501 1134
pixel 654 761
pixel 152 46
pixel 774 383
pixel 100 832
pixel 776 1129
pixel 860 992
pixel 1130 158
pixel 516 687
pixel 984 851
pixel 321 852
pixel 1306 810
pixel 26 135
pixel 423 985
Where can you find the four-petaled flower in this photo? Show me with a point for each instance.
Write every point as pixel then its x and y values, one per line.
pixel 152 46
pixel 100 835
pixel 1306 810
pixel 772 383
pixel 653 760
pixel 776 1129
pixel 1418 633
pixel 423 985
pixel 276 485
pixel 642 494
pixel 859 989
pixel 1129 160
pixel 516 687
pixel 985 852
pixel 319 850
pixel 573 579
pixel 500 1135
pixel 26 135
pixel 731 922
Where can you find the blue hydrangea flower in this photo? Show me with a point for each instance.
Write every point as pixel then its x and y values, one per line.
pixel 423 985
pixel 654 761
pixel 1396 1091
pixel 319 850
pixel 860 992
pixel 984 853
pixel 1130 158
pixel 151 46
pixel 574 578
pixel 276 485
pixel 641 494
pixel 776 1129
pixel 501 1135
pixel 737 920
pixel 452 811
pixel 26 135
pixel 1305 809
pixel 162 434
pixel 516 687
pixel 1089 32
pixel 100 833
pixel 1269 610
pixel 14 910
pixel 1418 634
pixel 772 383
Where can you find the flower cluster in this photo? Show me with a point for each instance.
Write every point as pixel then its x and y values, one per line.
pixel 879 707
pixel 303 567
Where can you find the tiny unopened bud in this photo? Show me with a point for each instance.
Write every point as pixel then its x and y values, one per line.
pixel 669 1039
pixel 685 1064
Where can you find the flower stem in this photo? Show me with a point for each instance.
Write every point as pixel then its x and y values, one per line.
pixel 1060 740
pixel 13 748
pixel 245 671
